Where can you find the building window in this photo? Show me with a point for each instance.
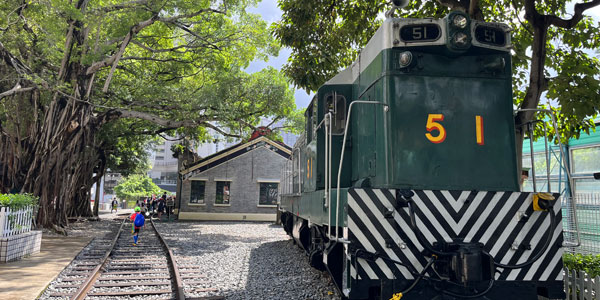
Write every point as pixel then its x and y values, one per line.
pixel 584 163
pixel 587 186
pixel 268 193
pixel 197 191
pixel 557 176
pixel 585 160
pixel 223 188
pixel 160 158
pixel 540 163
pixel 541 184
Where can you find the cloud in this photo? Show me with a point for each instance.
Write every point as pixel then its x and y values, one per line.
pixel 594 12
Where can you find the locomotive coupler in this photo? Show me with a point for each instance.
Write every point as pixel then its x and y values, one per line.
pixel 463 263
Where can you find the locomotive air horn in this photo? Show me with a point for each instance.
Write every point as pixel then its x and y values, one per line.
pixel 400 3
pixel 395 5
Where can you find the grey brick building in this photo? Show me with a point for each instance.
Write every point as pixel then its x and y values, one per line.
pixel 237 183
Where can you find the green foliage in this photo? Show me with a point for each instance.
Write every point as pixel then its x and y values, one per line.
pixel 185 68
pixel 136 186
pixel 18 201
pixel 294 123
pixel 325 37
pixel 127 153
pixel 579 262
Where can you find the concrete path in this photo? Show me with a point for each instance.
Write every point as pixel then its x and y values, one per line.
pixel 106 214
pixel 27 278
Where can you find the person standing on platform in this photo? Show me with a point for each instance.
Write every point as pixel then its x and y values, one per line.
pixel 113 205
pixel 153 203
pixel 161 205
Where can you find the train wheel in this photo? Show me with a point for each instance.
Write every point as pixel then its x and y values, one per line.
pixel 316 260
pixel 287 221
pixel 334 259
pixel 317 245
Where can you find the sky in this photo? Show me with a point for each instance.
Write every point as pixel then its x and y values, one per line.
pixel 270 12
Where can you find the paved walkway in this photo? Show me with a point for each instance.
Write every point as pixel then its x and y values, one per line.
pixel 106 214
pixel 27 278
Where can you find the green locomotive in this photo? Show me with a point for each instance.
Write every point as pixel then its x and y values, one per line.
pixel 405 181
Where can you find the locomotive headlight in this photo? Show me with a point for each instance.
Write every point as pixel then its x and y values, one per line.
pixel 460 40
pixel 459 21
pixel 405 59
pixel 458 31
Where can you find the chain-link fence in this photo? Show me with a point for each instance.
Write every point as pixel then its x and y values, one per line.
pixel 587 207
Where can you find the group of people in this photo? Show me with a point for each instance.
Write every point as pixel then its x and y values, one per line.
pixel 148 204
pixel 154 204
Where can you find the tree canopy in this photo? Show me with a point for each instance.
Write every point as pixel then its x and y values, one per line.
pixel 137 186
pixel 85 84
pixel 554 43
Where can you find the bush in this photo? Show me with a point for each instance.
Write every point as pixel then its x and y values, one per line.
pixel 18 201
pixel 579 262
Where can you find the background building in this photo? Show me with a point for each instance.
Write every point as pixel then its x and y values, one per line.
pixel 238 183
pixel 164 166
pixel 582 212
pixel 582 156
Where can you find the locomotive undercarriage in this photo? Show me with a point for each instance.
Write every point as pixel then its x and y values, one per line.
pixel 380 254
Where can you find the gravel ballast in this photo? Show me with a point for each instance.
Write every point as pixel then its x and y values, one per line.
pixel 243 261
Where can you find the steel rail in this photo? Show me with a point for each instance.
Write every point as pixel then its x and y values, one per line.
pixel 88 284
pixel 179 292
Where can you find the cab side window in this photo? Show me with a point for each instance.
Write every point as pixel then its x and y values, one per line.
pixel 309 123
pixel 336 104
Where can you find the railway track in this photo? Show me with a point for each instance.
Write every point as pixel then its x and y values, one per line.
pixel 116 268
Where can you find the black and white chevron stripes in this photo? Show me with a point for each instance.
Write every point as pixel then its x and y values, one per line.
pixel 495 219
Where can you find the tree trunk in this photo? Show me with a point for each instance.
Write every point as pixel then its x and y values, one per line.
pixel 538 83
pixel 97 198
pixel 98 179
pixel 519 138
pixel 52 157
pixel 63 163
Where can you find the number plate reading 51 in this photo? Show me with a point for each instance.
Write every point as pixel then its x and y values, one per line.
pixel 420 33
pixel 490 35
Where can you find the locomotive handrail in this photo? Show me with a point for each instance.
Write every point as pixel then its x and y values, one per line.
pixel 299 172
pixel 547 157
pixel 327 121
pixel 566 166
pixel 339 174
